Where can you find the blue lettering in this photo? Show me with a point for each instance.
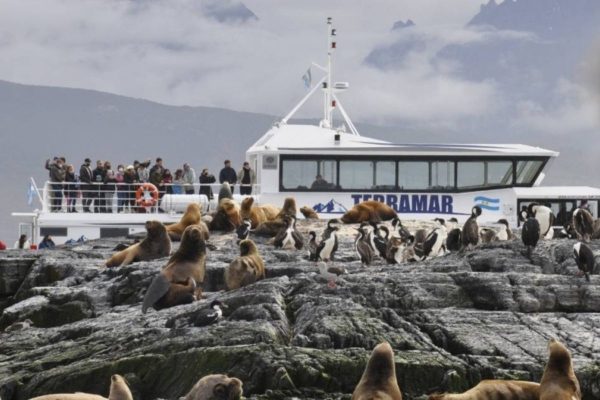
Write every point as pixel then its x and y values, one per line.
pixel 379 197
pixel 366 197
pixel 447 205
pixel 356 198
pixel 404 204
pixel 434 204
pixel 392 201
pixel 419 203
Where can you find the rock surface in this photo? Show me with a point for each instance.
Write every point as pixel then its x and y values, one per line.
pixel 487 313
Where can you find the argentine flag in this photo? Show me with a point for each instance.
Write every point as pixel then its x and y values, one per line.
pixel 307 78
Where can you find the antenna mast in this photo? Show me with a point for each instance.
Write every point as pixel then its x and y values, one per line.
pixel 329 102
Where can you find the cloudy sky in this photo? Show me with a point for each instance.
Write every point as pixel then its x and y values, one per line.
pixel 171 52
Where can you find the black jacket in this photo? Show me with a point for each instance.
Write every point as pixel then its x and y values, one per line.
pixel 228 174
pixel 206 190
pixel 85 174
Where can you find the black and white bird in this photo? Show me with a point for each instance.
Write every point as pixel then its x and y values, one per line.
pixel 453 241
pixel 289 237
pixel 399 229
pixel 545 217
pixel 209 316
pixel 530 234
pixel 330 273
pixel 584 257
pixel 312 246
pixel 435 243
pixel 329 241
pixel 243 231
pixel 470 230
pixel 504 233
pixel 583 224
pixel 380 239
pixel 363 247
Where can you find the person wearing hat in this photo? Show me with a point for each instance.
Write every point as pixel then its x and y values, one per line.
pixel 246 178
pixel 85 177
pixel 227 174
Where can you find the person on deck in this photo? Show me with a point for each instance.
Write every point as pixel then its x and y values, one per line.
pixel 205 180
pixel 227 174
pixel 246 178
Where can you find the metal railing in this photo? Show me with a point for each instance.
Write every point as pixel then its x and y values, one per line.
pixel 81 197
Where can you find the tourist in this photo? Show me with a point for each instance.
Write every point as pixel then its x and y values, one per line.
pixel 98 175
pixel 109 187
pixel 46 243
pixel 130 180
pixel 2 245
pixel 178 182
pixel 143 175
pixel 205 180
pixel 155 176
pixel 189 178
pixel 246 178
pixel 166 184
pixel 71 188
pixel 120 187
pixel 85 177
pixel 57 177
pixel 22 243
pixel 319 183
pixel 228 174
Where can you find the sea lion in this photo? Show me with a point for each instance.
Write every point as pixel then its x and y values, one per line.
pixel 155 245
pixel 118 391
pixel 227 217
pixel 225 192
pixel 289 208
pixel 216 387
pixel 492 389
pixel 378 382
pixel 192 216
pixel 189 261
pixel 309 213
pixel 257 214
pixel 559 381
pixel 369 211
pixel 247 268
pixel 270 228
pixel 179 293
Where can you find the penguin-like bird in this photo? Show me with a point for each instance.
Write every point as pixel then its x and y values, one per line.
pixel 584 257
pixel 530 234
pixel 289 237
pixel 545 217
pixel 399 229
pixel 312 246
pixel 209 316
pixel 470 230
pixel 329 241
pixel 381 240
pixel 583 224
pixel 243 231
pixel 453 241
pixel 435 243
pixel 504 233
pixel 330 273
pixel 363 247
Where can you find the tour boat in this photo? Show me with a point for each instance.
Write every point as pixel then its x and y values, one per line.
pixel 331 169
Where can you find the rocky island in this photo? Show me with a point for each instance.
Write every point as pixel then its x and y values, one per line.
pixel 451 321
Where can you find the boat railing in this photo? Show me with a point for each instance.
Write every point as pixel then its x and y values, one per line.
pixel 120 197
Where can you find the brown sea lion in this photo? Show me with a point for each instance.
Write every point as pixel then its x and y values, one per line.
pixel 247 268
pixel 179 293
pixel 216 387
pixel 559 381
pixel 309 213
pixel 155 245
pixel 369 211
pixel 227 217
pixel 257 214
pixel 378 382
pixel 118 391
pixel 192 216
pixel 189 261
pixel 495 390
pixel 269 228
pixel 289 208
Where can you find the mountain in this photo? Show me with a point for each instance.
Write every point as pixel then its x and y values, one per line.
pixel 228 11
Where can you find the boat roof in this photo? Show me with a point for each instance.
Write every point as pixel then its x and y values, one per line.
pixel 311 139
pixel 557 192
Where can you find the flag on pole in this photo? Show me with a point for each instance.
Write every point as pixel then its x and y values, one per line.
pixel 307 78
pixel 30 193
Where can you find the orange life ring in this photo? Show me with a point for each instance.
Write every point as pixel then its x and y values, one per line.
pixel 146 195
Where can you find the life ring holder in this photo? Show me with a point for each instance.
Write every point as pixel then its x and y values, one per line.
pixel 146 195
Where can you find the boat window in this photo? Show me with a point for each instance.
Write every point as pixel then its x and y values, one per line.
pixel 442 175
pixel 357 174
pixel 413 175
pixel 471 174
pixel 499 173
pixel 302 174
pixel 527 171
pixel 385 175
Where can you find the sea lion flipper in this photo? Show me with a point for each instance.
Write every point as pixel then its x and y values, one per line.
pixel 158 288
pixel 129 256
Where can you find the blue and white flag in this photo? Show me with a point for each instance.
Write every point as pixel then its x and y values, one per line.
pixel 307 78
pixel 30 194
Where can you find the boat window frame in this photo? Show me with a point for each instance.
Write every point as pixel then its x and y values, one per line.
pixel 397 158
pixel 571 199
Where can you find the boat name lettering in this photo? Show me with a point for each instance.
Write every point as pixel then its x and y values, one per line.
pixel 411 203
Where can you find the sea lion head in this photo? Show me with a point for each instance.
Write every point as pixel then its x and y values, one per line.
pixel 247 247
pixel 560 356
pixel 232 211
pixel 192 241
pixel 119 390
pixel 247 203
pixel 155 229
pixel 216 387
pixel 229 389
pixel 289 206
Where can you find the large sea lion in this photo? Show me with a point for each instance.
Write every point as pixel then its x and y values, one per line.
pixel 247 268
pixel 118 391
pixel 227 217
pixel 289 208
pixel 495 390
pixel 216 387
pixel 155 245
pixel 559 381
pixel 369 211
pixel 271 228
pixel 192 216
pixel 309 213
pixel 257 214
pixel 378 382
pixel 188 262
